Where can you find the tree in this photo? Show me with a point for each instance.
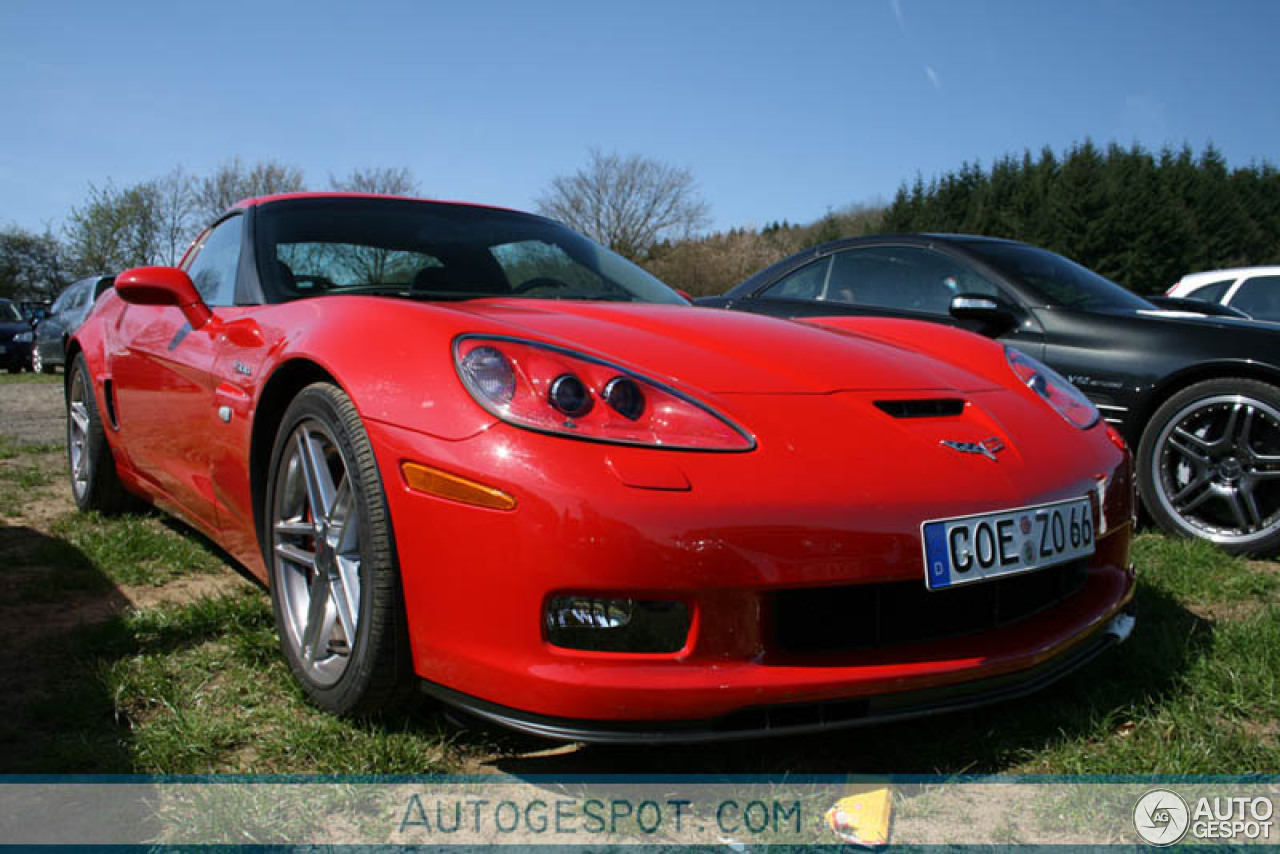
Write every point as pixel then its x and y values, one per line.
pixel 115 229
pixel 627 203
pixel 31 265
pixel 391 181
pixel 233 183
pixel 174 198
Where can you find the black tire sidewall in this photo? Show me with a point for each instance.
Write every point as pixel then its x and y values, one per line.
pixel 324 402
pixel 1148 464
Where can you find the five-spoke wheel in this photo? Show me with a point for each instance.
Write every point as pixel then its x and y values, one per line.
pixel 1210 464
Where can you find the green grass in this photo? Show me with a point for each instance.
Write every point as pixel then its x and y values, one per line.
pixel 10 449
pixel 133 549
pixel 28 378
pixel 201 686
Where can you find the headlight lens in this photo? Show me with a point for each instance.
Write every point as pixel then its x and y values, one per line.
pixel 1056 390
pixel 23 337
pixel 553 390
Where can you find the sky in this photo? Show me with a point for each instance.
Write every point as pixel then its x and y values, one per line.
pixel 779 110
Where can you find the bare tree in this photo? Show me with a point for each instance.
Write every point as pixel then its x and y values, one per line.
pixel 388 180
pixel 233 183
pixel 175 200
pixel 627 203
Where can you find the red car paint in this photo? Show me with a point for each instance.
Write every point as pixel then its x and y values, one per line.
pixel 833 494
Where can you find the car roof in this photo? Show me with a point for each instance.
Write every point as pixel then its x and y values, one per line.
pixel 285 197
pixel 1231 272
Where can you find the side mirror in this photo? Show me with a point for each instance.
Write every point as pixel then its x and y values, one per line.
pixel 993 316
pixel 163 286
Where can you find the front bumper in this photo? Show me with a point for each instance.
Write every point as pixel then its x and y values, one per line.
pixel 800 719
pixel 721 533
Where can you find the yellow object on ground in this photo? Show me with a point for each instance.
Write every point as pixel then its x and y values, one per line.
pixel 862 816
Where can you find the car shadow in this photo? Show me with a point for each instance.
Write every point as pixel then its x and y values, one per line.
pixel 56 715
pixel 1135 678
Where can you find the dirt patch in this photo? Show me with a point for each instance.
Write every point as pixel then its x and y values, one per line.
pixel 32 413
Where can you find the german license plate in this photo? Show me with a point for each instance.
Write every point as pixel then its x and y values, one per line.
pixel 975 548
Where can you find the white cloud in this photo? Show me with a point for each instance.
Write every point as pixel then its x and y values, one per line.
pixel 933 77
pixel 896 5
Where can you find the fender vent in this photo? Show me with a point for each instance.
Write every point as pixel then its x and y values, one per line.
pixel 109 395
pixel 941 407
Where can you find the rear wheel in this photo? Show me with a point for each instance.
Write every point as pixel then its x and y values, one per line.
pixel 1209 464
pixel 95 483
pixel 335 583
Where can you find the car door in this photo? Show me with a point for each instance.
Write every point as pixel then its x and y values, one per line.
pixel 899 280
pixel 162 373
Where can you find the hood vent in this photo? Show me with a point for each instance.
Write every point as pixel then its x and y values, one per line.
pixel 942 407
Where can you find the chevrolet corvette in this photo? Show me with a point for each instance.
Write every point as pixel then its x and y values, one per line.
pixel 472 453
pixel 1194 390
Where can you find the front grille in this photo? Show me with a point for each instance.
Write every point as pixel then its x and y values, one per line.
pixel 869 616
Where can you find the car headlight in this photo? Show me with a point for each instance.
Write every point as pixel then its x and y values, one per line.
pixel 1055 389
pixel 23 337
pixel 553 390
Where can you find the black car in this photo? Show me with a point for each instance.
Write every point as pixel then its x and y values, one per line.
pixel 15 337
pixel 68 312
pixel 1197 396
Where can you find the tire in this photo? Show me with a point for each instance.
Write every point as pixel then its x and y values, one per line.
pixel 95 483
pixel 328 530
pixel 1209 465
pixel 15 369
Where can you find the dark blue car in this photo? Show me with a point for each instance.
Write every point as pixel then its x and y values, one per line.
pixel 15 337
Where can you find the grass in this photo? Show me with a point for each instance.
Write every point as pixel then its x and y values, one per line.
pixel 29 378
pixel 196 683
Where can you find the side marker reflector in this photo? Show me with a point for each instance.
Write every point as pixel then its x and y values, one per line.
pixel 444 485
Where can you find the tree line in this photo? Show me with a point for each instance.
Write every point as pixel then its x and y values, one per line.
pixel 1139 218
pixel 152 222
pixel 1143 219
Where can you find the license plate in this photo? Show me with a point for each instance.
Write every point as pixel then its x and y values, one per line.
pixel 975 548
pixel 3 350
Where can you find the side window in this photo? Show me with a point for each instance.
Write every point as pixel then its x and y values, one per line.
pixel 903 278
pixel 1259 297
pixel 214 262
pixel 809 282
pixel 1212 292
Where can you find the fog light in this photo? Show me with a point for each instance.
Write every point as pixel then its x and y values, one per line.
pixel 617 625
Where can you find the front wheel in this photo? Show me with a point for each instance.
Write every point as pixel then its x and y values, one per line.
pixel 1209 464
pixel 335 584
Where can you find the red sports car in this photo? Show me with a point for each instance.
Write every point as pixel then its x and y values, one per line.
pixel 472 452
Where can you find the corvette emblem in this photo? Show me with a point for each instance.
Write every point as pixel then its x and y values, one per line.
pixel 987 447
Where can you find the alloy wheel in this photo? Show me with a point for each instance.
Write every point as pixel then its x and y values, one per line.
pixel 1218 468
pixel 78 434
pixel 316 542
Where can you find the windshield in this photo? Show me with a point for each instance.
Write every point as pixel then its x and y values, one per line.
pixel 1054 278
pixel 435 251
pixel 9 313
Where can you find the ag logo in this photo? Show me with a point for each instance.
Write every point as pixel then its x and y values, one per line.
pixel 1161 817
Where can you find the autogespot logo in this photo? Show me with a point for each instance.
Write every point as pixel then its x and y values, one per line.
pixel 1161 817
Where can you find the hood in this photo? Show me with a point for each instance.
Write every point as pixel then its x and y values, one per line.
pixel 720 351
pixel 8 330
pixel 1190 319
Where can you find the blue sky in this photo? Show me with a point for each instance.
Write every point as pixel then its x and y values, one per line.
pixel 781 110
